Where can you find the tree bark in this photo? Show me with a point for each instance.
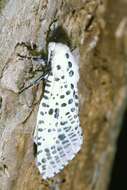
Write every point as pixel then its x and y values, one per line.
pixel 98 30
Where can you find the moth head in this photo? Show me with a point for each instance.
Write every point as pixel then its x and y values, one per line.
pixel 51 47
pixel 56 54
pixel 62 61
pixel 57 49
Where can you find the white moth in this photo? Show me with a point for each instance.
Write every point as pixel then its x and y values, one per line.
pixel 58 134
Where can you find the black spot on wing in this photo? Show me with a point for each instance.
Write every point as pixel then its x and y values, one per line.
pixel 52 147
pixel 76 96
pixel 58 67
pixel 41 112
pixel 62 96
pixel 70 101
pixel 68 92
pixel 56 79
pixel 56 115
pixel 38 163
pixel 72 109
pixel 38 152
pixel 67 55
pixel 39 143
pixel 46 91
pixel 46 150
pixel 76 104
pixel 75 116
pixel 45 97
pixel 63 104
pixel 43 160
pixel 71 73
pixel 72 86
pixel 45 105
pixel 67 129
pixel 40 121
pixel 62 137
pixel 72 122
pixel 63 122
pixel 40 129
pixel 47 84
pixel 69 64
pixel 50 111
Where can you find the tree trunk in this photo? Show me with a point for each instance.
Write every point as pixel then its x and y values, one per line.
pixel 98 30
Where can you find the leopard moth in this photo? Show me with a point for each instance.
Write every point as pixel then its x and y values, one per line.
pixel 58 135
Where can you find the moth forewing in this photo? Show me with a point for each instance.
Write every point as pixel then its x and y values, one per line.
pixel 58 134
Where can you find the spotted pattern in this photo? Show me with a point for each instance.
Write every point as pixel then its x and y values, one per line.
pixel 68 92
pixel 56 115
pixel 50 111
pixel 62 96
pixel 58 67
pixel 70 101
pixel 41 112
pixel 71 73
pixel 69 64
pixel 45 97
pixel 40 121
pixel 67 55
pixel 57 79
pixel 58 134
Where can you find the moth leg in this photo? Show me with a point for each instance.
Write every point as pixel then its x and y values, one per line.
pixel 32 47
pixel 24 56
pixel 38 59
pixel 39 56
pixel 37 81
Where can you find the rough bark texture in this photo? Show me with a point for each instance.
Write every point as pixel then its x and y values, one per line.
pixel 99 30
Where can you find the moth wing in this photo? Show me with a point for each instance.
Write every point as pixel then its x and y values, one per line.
pixel 70 133
pixel 58 134
pixel 46 132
